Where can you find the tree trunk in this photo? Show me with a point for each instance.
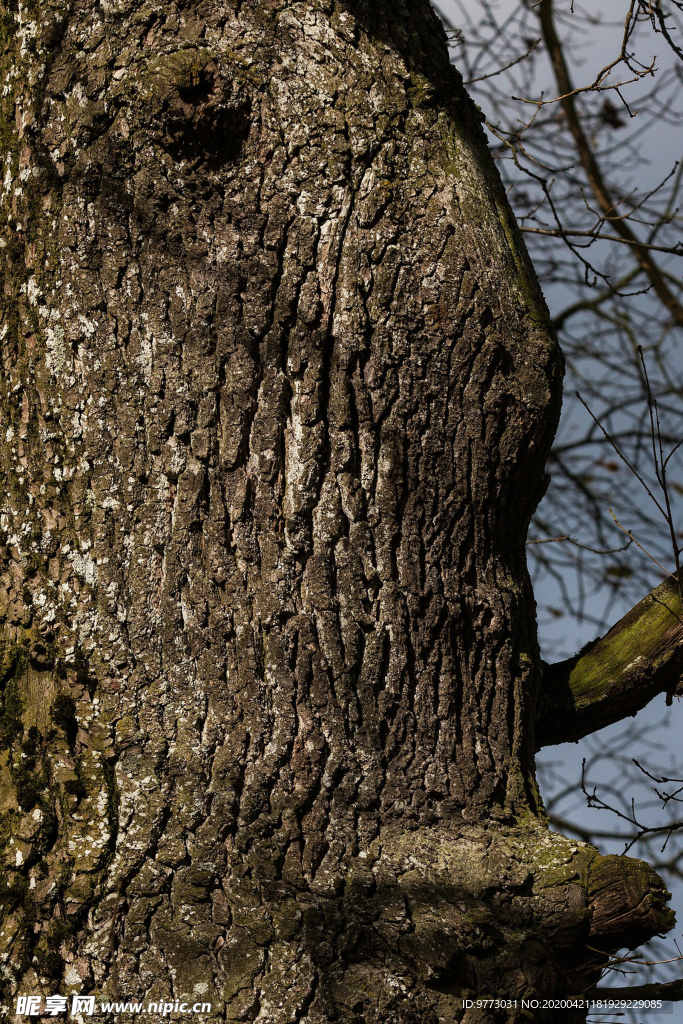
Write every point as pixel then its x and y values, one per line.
pixel 278 386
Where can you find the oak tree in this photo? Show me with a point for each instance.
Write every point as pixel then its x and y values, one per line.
pixel 278 389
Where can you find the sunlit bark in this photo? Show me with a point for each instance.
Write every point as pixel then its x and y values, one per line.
pixel 278 386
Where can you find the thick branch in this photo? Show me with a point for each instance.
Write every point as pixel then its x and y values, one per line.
pixel 616 676
pixel 590 165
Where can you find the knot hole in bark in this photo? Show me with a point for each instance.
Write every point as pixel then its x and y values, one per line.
pixel 205 121
pixel 198 87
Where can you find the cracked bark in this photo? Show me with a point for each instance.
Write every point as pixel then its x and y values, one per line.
pixel 278 386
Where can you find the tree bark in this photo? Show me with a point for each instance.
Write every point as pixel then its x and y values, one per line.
pixel 278 386
pixel 615 675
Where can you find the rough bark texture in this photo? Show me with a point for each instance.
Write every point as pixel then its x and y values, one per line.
pixel 277 391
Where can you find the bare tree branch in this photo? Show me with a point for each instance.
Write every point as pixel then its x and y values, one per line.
pixel 590 165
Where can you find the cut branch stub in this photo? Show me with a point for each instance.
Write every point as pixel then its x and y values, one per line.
pixel 616 675
pixel 628 902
